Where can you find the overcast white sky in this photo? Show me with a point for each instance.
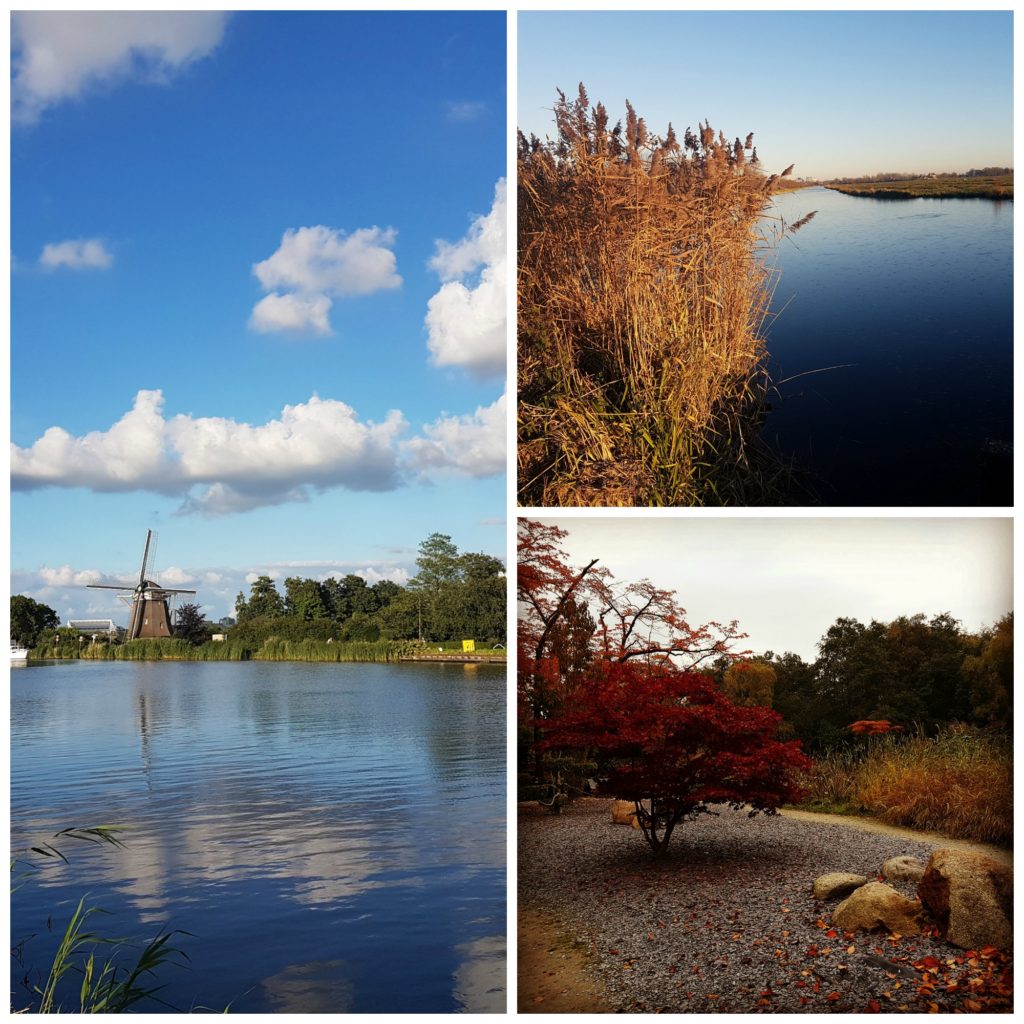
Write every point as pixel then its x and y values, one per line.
pixel 788 579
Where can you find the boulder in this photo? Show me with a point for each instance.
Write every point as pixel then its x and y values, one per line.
pixel 624 813
pixel 903 869
pixel 836 885
pixel 971 897
pixel 874 906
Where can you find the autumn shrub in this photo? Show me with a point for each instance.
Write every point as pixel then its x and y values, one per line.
pixel 642 302
pixel 957 783
pixel 671 742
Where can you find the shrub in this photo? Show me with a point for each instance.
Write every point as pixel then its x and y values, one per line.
pixel 957 783
pixel 641 304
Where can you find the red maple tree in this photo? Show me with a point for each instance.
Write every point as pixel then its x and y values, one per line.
pixel 674 744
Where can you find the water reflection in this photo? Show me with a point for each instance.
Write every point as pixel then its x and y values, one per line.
pixel 370 797
pixel 320 987
pixel 480 978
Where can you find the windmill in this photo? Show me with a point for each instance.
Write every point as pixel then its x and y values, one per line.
pixel 150 603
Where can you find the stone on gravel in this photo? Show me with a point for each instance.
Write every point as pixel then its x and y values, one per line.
pixel 903 869
pixel 624 812
pixel 971 897
pixel 837 884
pixel 876 905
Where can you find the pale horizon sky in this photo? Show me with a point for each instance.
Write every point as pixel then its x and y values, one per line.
pixel 834 92
pixel 786 580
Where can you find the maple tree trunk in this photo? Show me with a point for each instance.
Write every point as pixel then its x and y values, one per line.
pixel 649 826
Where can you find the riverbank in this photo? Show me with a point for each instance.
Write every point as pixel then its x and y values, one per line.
pixel 995 187
pixel 272 649
pixel 726 922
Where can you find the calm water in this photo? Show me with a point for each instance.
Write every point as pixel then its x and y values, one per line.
pixel 333 836
pixel 918 296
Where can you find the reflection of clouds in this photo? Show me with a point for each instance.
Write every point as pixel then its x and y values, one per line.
pixel 254 796
pixel 139 869
pixel 318 987
pixel 319 863
pixel 480 978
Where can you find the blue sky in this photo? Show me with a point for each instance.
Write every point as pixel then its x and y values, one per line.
pixel 835 92
pixel 258 295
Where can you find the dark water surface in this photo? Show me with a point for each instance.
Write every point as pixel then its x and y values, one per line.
pixel 918 295
pixel 333 836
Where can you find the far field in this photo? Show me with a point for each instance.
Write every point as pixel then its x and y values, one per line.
pixel 940 187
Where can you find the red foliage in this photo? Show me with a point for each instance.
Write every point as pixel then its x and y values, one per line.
pixel 867 727
pixel 674 740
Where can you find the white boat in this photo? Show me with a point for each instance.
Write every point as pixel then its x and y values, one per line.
pixel 19 653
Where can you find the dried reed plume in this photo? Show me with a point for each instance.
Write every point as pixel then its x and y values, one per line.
pixel 641 309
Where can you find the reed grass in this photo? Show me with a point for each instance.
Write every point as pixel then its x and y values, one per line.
pixel 958 783
pixel 107 986
pixel 114 977
pixel 642 306
pixel 271 649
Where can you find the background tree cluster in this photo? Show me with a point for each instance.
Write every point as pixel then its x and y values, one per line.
pixel 915 672
pixel 453 596
pixel 28 620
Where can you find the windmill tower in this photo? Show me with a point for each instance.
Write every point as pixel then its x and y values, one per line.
pixel 150 603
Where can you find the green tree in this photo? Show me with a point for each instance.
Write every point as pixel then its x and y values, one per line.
pixel 191 626
pixel 796 696
pixel 989 676
pixel 304 598
pixel 385 591
pixel 361 626
pixel 264 601
pixel 400 618
pixel 29 618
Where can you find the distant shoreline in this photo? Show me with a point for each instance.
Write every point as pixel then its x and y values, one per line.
pixel 1000 187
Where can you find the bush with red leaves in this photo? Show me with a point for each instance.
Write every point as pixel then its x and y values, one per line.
pixel 674 744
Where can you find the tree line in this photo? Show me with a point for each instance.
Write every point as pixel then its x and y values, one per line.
pixel 453 596
pixel 974 172
pixel 915 672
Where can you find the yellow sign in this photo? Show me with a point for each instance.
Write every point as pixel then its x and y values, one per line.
pixel 468 646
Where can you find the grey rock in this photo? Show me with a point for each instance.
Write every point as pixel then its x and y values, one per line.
pixel 837 884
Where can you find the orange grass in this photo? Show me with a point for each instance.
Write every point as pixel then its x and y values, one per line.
pixel 958 783
pixel 642 302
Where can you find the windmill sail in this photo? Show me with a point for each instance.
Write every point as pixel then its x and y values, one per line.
pixel 150 603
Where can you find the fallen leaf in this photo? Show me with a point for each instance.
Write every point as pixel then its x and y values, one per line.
pixel 833 997
pixel 851 949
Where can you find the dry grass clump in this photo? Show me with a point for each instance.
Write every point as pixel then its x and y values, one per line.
pixel 641 306
pixel 958 783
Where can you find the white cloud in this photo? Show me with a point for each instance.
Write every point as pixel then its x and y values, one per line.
pixel 313 264
pixel 473 445
pixel 466 318
pixel 173 576
pixel 77 254
pixel 291 314
pixel 219 466
pixel 318 444
pixel 466 110
pixel 61 55
pixel 65 576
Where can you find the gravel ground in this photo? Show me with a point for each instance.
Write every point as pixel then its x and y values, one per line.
pixel 726 922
